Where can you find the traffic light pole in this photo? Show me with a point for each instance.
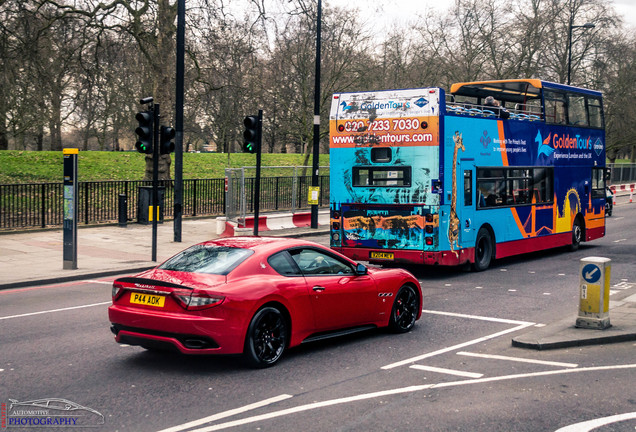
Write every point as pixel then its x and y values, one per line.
pixel 257 186
pixel 155 180
pixel 316 156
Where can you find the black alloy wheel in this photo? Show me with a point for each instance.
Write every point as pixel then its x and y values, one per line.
pixel 405 310
pixel 266 338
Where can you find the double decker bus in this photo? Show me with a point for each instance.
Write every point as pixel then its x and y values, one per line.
pixel 421 176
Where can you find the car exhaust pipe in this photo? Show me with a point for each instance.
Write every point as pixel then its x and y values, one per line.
pixel 195 343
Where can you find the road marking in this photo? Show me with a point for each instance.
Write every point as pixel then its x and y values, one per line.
pixel 397 391
pixel 620 240
pixel 54 310
pixel 593 424
pixel 520 325
pixel 229 413
pixel 447 371
pixel 455 347
pixel 476 317
pixel 518 359
pixel 57 285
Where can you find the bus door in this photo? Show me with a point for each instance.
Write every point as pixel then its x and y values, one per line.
pixel 466 203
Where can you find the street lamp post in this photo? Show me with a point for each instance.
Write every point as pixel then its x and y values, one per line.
pixel 584 26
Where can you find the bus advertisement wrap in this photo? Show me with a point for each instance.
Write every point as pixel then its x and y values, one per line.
pixel 421 178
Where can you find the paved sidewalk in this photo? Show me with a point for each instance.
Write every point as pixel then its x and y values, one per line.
pixel 36 257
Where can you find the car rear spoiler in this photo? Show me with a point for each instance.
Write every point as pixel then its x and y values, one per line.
pixel 142 283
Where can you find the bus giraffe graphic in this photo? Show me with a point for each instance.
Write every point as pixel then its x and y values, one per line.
pixel 453 220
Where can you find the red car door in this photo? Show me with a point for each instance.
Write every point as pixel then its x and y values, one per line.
pixel 339 297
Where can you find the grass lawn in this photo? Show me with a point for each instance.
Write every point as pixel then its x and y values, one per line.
pixel 47 166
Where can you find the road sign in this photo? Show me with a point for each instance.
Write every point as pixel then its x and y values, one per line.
pixel 591 273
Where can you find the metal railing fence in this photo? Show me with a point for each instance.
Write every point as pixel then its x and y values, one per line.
pixel 622 173
pixel 39 205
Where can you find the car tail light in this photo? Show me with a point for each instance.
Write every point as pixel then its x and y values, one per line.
pixel 118 290
pixel 197 300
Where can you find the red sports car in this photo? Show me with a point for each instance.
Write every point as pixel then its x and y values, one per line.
pixel 258 296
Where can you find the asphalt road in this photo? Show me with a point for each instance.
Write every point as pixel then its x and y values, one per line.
pixel 456 370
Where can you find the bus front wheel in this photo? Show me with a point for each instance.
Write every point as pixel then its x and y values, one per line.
pixel 484 248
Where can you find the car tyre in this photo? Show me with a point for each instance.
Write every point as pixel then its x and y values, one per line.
pixel 405 309
pixel 267 337
pixel 484 248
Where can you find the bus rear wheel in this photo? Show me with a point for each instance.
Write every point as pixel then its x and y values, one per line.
pixel 577 234
pixel 484 248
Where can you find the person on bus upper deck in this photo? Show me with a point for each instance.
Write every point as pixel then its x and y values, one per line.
pixel 496 107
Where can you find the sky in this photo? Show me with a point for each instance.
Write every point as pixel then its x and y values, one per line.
pixel 403 10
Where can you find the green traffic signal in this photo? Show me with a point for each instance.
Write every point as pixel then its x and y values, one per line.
pixel 144 132
pixel 252 134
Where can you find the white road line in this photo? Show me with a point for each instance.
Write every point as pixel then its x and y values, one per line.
pixel 411 389
pixel 476 317
pixel 54 310
pixel 518 359
pixel 98 281
pixel 520 325
pixel 229 413
pixel 447 371
pixel 596 423
pixel 312 406
pixel 456 347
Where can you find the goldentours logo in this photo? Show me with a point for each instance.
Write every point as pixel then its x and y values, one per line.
pixel 48 413
pixel 598 146
pixel 421 102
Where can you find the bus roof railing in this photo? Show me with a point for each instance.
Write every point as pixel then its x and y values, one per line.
pixel 510 90
pixel 518 111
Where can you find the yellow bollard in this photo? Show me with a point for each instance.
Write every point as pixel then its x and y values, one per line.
pixel 594 293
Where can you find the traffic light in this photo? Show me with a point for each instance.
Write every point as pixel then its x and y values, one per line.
pixel 144 130
pixel 166 146
pixel 252 134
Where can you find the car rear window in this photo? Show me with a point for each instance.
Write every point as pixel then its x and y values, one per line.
pixel 219 260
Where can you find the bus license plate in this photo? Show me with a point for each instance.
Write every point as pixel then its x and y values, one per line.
pixel 147 299
pixel 381 255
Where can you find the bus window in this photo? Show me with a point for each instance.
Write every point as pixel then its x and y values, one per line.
pixel 382 176
pixel 492 187
pixel 468 187
pixel 576 110
pixel 598 183
pixel 554 107
pixel 542 184
pixel 514 186
pixel 595 111
pixel 518 186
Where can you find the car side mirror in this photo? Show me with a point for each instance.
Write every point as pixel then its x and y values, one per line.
pixel 361 270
